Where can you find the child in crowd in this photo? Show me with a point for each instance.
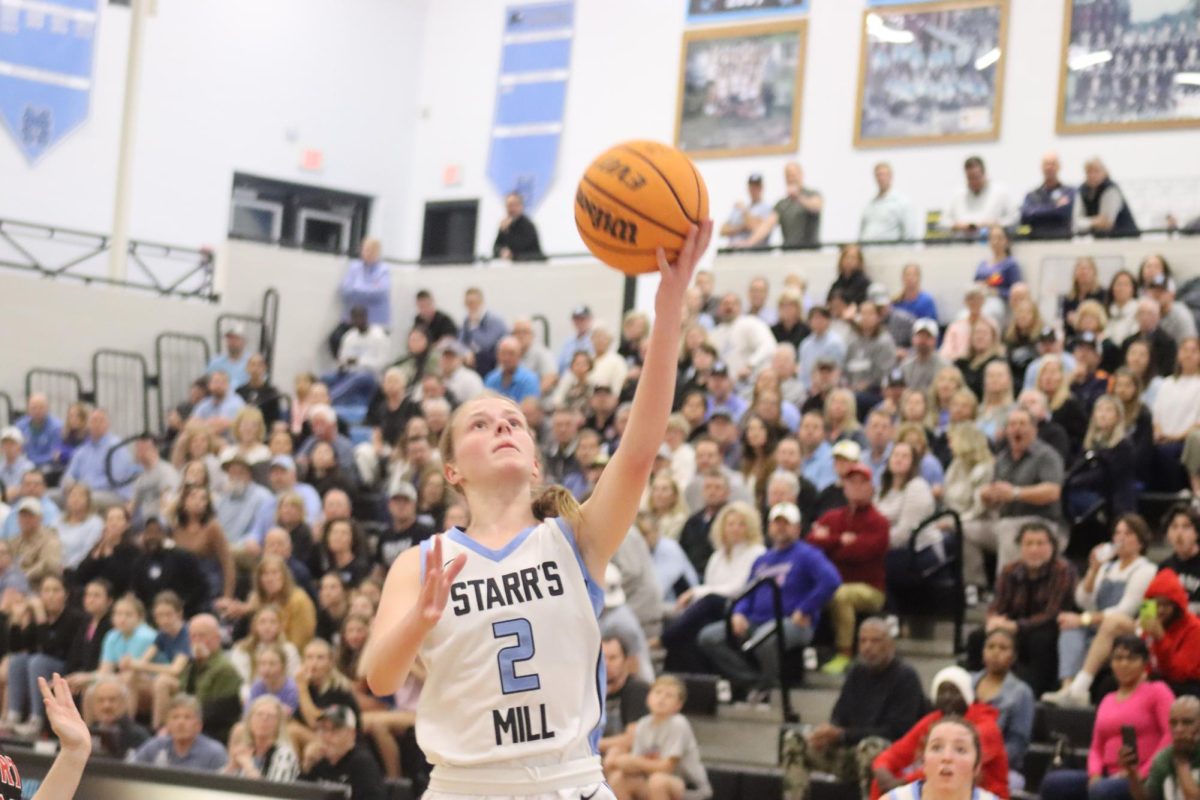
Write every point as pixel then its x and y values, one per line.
pixel 665 761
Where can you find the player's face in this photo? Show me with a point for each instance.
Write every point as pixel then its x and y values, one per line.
pixel 950 757
pixel 491 441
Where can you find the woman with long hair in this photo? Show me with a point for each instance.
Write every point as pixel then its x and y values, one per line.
pixel 1085 286
pixel 573 390
pixel 1122 307
pixel 905 498
pixel 79 528
pixel 262 749
pixel 1021 336
pixel 841 417
pixel 1139 423
pixel 1091 318
pixel 951 756
pixel 113 555
pixel 273 677
pixel 42 627
pixel 996 401
pixel 333 604
pixel 343 551
pixel 249 437
pixel 1000 270
pixel 74 433
pixel 665 504
pixel 870 353
pixel 266 629
pixel 1065 408
pixel 971 468
pixel 947 381
pixel 1115 476
pixel 851 281
pixel 1176 412
pixel 198 443
pixel 290 516
pixel 319 685
pixel 983 348
pixel 998 686
pixel 1137 361
pixel 758 461
pixel 198 531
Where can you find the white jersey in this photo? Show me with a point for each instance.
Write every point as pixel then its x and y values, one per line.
pixel 515 670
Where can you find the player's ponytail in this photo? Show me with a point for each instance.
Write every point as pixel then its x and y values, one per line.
pixel 555 501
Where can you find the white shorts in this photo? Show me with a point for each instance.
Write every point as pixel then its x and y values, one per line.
pixel 599 791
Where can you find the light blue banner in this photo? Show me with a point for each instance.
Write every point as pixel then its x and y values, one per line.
pixel 46 55
pixel 531 99
pixel 705 11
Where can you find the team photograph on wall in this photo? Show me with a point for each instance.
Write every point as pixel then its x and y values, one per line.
pixel 931 72
pixel 1129 64
pixel 740 90
pixel 705 11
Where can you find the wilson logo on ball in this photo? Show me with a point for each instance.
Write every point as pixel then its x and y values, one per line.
pixel 602 220
pixel 627 175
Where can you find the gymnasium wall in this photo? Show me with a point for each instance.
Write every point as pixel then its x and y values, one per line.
pixel 231 85
pixel 624 84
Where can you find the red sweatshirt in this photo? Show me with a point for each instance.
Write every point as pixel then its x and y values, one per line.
pixel 1177 653
pixel 901 758
pixel 861 561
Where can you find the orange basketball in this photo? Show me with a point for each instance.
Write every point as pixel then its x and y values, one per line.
pixel 636 197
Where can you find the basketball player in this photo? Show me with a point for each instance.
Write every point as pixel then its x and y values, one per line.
pixel 75 745
pixel 503 616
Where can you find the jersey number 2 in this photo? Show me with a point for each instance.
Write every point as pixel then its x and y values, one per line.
pixel 513 654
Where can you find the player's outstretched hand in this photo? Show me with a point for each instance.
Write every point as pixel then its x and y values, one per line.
pixel 68 726
pixel 676 277
pixel 439 576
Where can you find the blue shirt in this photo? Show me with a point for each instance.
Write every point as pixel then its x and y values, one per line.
pixel 523 383
pixel 205 754
pixel 242 515
pixel 234 368
pixel 41 441
pixel 116 644
pixel 50 514
pixel 482 339
pixel 369 286
pixel 932 471
pixel 814 348
pixel 289 695
pixel 735 404
pixel 807 577
pixel 14 578
pixel 11 474
pixel 818 467
pixel 920 306
pixel 226 408
pixel 671 564
pixel 312 502
pixel 1001 276
pixel 87 465
pixel 571 347
pixel 170 646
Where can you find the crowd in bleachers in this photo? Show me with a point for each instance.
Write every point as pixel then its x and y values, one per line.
pixel 208 594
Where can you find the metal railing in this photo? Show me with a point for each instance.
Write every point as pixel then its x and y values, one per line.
pixel 760 637
pixel 7 411
pixel 261 329
pixel 61 387
pixel 179 358
pixel 121 384
pixel 57 252
pixel 951 568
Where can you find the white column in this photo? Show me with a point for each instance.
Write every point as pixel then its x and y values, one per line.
pixel 118 252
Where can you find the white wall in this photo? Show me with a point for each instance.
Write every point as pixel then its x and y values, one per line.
pixel 624 82
pixel 231 85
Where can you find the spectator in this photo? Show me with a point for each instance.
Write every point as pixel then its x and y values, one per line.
pixel 266 631
pixel 79 527
pixel 1182 526
pixel 36 550
pixel 1173 770
pixel 855 539
pixel 1001 271
pixel 608 367
pixel 758 292
pixel 510 377
pixel 198 531
pixel 737 542
pixel 1178 319
pixel 798 214
pixel 1115 474
pixel 912 299
pixel 343 550
pixel 361 358
pixel 665 505
pixel 11 576
pixel 1110 595
pixel 673 570
pixel 41 429
pixel 41 630
pixel 405 530
pixel 980 204
pixel 581 339
pixel 125 644
pixel 1162 347
pixel 320 686
pixel 870 353
pixel 1047 209
pixel 1100 208
pixel 283 481
pixel 815 451
pixel 1085 285
pixel 461 381
pixel 324 421
pixel 367 283
pixel 846 454
pixel 210 677
pixel 90 463
pixel 263 751
pixel 386 416
pixel 517 239
pixel 953 696
pixel 75 433
pixel 161 565
pixel 905 497
pixel 930 468
pixel 624 700
pixel 821 345
pixel 168 654
pixel 1021 337
pixel 278 543
pixel 809 581
pixel 1122 307
pixel 665 761
pixel 1053 381
pixel 958 334
pixel 888 216
pixel 245 509
pixel 1176 414
pixel 272 677
pixel 196 443
pixel 1174 633
pixel 258 392
pixel 998 686
pixel 156 480
pixel 1049 345
pixel 789 327
pixel 746 217
pixel 183 746
pixel 234 361
pixel 13 462
pixel 923 362
pixel 113 556
pixel 115 734
pixel 1137 702
pixel 33 485
pixel 339 759
pixel 481 330
pixel 879 701
pixel 535 356
pixel 983 348
pixel 897 321
pixel 996 399
pixel 435 323
pixel 1048 431
pixel 851 281
pixel 743 341
pixel 218 410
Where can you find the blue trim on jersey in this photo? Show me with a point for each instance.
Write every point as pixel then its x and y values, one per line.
pixel 601 690
pixel 425 545
pixel 595 592
pixel 459 536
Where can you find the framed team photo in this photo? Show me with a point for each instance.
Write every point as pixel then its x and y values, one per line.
pixel 1129 65
pixel 740 90
pixel 931 72
pixel 724 11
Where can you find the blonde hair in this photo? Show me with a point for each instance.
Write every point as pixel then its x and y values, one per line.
pixel 754 534
pixel 674 683
pixel 282 739
pixel 913 429
pixel 253 414
pixel 680 507
pixel 181 452
pixel 1054 401
pixel 130 599
pixel 850 423
pixel 934 408
pixel 1011 333
pixel 1095 309
pixel 969 445
pixel 548 502
pixel 1094 437
pixel 971 400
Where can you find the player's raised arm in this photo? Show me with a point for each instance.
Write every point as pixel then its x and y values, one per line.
pixel 608 513
pixel 408 609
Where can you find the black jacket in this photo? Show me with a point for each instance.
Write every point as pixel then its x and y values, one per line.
pixel 175 569
pixel 521 238
pixel 83 655
pixel 1162 350
pixel 886 702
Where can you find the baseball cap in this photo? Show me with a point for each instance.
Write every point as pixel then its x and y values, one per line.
pixel 848 450
pixel 1161 281
pixel 30 504
pixel 403 489
pixel 1048 334
pixel 614 593
pixel 1087 339
pixel 235 329
pixel 454 347
pixel 926 325
pixel 285 462
pixel 788 511
pixel 825 362
pixel 724 413
pixel 720 368
pixel 859 468
pixel 877 293
pixel 895 378
pixel 601 460
pixel 235 458
pixel 580 311
pixel 14 433
pixel 755 177
pixel 341 716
